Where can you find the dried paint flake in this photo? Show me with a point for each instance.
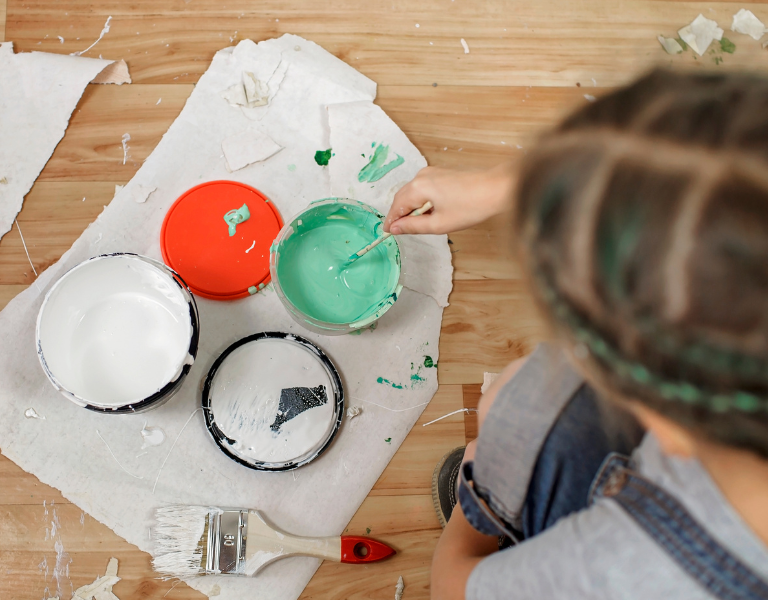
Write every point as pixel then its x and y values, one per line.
pixel 251 93
pixel 747 23
pixel 31 413
pixel 353 411
pixel 101 588
pixel 700 34
pixel 399 588
pixel 465 46
pixel 248 147
pixel 61 39
pixel 590 97
pixel 670 45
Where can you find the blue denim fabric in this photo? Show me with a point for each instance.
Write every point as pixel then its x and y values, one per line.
pixel 585 433
pixel 477 512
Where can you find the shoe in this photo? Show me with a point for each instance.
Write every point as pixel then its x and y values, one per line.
pixel 444 479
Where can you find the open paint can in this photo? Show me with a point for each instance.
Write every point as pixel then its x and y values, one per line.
pixel 118 333
pixel 315 278
pixel 273 401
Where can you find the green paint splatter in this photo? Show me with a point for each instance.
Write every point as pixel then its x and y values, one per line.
pixel 727 45
pixel 323 156
pixel 378 166
pixel 356 332
pixel 683 45
pixel 428 362
pixel 388 440
pixel 416 377
pixel 383 381
pixel 235 217
pixel 367 531
pixel 291 168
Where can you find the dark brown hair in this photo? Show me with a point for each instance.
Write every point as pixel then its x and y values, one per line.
pixel 643 222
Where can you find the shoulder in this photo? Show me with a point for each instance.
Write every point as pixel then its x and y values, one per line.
pixel 595 553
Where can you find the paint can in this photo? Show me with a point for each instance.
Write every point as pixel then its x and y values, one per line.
pixel 315 278
pixel 273 401
pixel 118 333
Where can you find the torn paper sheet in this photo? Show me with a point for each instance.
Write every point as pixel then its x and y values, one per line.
pixel 101 589
pixel 319 499
pixel 140 193
pixel 354 142
pixel 747 23
pixel 670 45
pixel 247 148
pixel 700 34
pixel 251 92
pixel 38 92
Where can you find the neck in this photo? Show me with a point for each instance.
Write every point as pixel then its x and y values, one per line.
pixel 743 479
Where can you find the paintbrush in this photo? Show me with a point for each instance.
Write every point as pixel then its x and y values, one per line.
pixel 203 540
pixel 419 211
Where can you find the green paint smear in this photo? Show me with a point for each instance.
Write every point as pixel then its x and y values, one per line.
pixel 235 217
pixel 683 45
pixel 388 440
pixel 316 276
pixel 428 362
pixel 416 377
pixel 378 166
pixel 292 168
pixel 323 156
pixel 383 381
pixel 727 45
pixel 367 531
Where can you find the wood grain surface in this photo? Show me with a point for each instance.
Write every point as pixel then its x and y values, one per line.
pixel 530 63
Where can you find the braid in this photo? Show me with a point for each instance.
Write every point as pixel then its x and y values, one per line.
pixel 643 221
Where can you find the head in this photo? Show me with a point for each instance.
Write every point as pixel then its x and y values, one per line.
pixel 643 224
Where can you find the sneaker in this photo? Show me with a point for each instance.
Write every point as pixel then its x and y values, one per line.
pixel 444 480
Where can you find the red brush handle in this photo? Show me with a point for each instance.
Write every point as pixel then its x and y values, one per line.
pixel 356 550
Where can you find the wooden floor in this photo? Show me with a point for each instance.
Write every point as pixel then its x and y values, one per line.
pixel 529 64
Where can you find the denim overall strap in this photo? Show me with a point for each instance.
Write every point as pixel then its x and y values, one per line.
pixel 668 523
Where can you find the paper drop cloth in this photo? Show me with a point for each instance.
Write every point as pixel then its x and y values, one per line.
pixel 316 102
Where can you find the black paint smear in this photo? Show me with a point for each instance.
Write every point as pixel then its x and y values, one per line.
pixel 294 401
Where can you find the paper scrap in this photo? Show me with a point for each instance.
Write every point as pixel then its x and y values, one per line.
pixel 38 92
pixel 488 379
pixel 116 73
pixel 670 45
pixel 747 23
pixel 353 411
pixel 248 147
pixel 465 46
pixel 700 34
pixel 399 588
pixel 250 93
pixel 104 31
pixel 101 589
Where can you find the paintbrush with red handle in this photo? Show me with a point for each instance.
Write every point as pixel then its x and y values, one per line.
pixel 200 540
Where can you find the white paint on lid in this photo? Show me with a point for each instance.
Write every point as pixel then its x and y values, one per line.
pixel 245 399
pixel 114 330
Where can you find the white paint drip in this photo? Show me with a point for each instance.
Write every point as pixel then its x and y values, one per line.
pixel 152 436
pixel 101 588
pixel 159 100
pixel 23 243
pixel 245 399
pixel 31 413
pixel 101 35
pixel 61 568
pixel 465 46
pixel 399 588
pixel 252 247
pixel 126 147
pixel 455 412
pixel 353 411
pixel 61 39
pixel 590 97
pixel 115 457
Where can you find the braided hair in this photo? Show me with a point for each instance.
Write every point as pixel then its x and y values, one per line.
pixel 643 223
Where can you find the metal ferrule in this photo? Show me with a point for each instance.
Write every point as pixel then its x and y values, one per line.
pixel 226 542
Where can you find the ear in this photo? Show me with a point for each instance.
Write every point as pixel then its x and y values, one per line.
pixel 674 439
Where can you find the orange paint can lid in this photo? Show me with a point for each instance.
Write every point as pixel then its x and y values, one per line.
pixel 196 243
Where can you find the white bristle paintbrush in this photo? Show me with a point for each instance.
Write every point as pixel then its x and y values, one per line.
pixel 203 540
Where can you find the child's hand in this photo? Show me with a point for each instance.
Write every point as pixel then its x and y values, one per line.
pixel 460 199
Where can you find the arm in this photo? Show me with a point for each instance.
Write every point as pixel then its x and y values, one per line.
pixel 461 199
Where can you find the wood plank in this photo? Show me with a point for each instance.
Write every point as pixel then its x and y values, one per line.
pixel 485 251
pixel 487 325
pixel 512 42
pixel 3 10
pixel 471 395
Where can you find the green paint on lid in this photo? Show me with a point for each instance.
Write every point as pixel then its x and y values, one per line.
pixel 322 157
pixel 235 217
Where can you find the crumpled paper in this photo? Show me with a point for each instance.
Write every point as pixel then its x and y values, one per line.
pixel 38 92
pixel 320 103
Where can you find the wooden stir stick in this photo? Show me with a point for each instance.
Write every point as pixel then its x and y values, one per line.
pixel 419 211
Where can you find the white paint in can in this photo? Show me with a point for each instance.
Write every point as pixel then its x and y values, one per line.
pixel 114 330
